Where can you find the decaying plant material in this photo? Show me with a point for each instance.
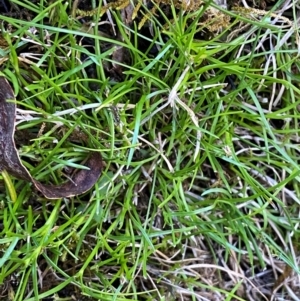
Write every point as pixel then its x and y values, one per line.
pixel 213 19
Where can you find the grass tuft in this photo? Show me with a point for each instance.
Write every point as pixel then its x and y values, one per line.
pixel 198 128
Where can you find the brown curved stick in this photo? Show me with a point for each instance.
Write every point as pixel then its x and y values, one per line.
pixel 81 182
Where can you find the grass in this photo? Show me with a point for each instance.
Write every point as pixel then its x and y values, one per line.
pixel 199 195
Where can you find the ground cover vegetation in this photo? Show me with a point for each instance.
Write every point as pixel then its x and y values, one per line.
pixel 193 106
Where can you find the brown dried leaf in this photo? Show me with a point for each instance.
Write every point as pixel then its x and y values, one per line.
pixel 81 182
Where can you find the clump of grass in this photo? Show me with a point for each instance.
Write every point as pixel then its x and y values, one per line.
pixel 199 195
